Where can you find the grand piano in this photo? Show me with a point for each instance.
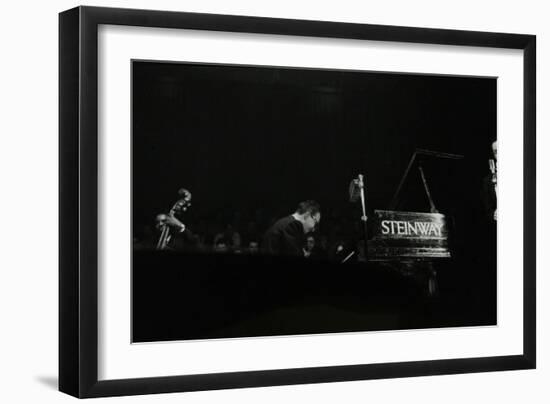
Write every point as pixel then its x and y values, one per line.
pixel 414 235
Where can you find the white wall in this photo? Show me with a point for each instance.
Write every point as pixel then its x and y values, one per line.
pixel 28 198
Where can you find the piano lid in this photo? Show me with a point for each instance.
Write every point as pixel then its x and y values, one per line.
pixel 433 172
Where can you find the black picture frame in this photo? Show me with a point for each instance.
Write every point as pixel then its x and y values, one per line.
pixel 78 196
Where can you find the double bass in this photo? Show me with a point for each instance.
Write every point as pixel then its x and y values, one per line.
pixel 180 206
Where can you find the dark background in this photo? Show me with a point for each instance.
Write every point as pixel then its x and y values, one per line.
pixel 252 142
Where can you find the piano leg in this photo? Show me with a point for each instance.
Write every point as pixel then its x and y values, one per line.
pixel 433 289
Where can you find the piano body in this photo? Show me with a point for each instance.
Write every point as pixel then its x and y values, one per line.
pixel 409 240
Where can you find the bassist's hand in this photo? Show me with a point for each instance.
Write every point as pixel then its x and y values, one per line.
pixel 172 221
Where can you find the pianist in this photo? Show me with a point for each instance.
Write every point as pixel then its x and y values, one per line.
pixel 287 235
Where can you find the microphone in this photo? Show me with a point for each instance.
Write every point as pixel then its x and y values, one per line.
pixel 492 166
pixel 355 187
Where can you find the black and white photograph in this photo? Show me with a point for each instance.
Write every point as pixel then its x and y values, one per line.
pixel 211 201
pixel 276 201
pixel 259 204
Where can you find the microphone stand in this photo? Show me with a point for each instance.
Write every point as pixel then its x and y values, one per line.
pixel 361 186
pixel 357 191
